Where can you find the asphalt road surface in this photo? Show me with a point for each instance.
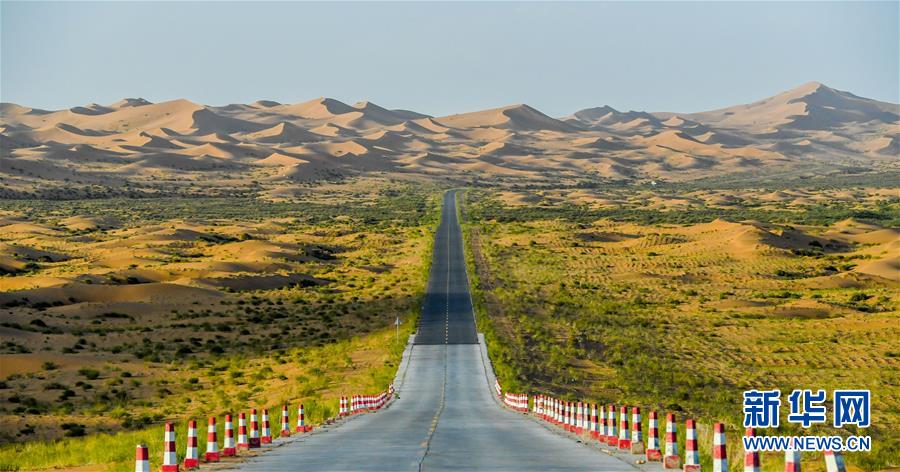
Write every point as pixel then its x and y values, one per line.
pixel 445 417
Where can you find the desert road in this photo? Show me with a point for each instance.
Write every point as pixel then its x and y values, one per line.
pixel 446 417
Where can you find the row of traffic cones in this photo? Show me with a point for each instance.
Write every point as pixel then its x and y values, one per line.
pixel 600 424
pixel 245 440
pixel 516 401
pixel 362 403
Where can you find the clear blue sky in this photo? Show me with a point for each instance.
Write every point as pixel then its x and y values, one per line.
pixel 441 58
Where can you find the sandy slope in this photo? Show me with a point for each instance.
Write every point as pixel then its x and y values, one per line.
pixel 135 141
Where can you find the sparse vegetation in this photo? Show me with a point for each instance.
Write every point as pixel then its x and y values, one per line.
pixel 676 311
pixel 307 295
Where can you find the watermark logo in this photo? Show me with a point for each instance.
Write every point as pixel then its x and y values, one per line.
pixel 761 408
pixel 807 407
pixel 852 407
pixel 807 443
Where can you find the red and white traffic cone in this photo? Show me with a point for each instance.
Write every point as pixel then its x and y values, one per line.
pixel 624 443
pixel 613 439
pixel 751 458
pixel 170 459
pixel 579 418
pixel 141 459
pixel 266 428
pixel 243 441
pixel 572 419
pixel 834 462
pixel 285 422
pixel 637 434
pixel 791 461
pixel 228 447
pixel 301 420
pixel 594 425
pixel 671 459
pixel 653 452
pixel 587 418
pixel 212 441
pixel 691 455
pixel 561 413
pixel 342 407
pixel 191 455
pixel 719 454
pixel 254 430
pixel 604 429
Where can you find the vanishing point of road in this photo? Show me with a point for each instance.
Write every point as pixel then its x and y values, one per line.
pixel 446 417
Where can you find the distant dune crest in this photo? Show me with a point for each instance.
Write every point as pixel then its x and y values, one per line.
pixel 136 141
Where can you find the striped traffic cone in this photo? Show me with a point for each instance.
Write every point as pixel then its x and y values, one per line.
pixel 834 462
pixel 141 459
pixel 604 431
pixel 212 441
pixel 170 459
pixel 266 428
pixel 301 420
pixel 671 459
pixel 624 443
pixel 342 407
pixel 254 430
pixel 720 456
pixel 561 421
pixel 594 425
pixel 587 419
pixel 243 442
pixel 613 439
pixel 637 434
pixel 228 446
pixel 653 452
pixel 191 456
pixel 751 458
pixel 579 427
pixel 573 417
pixel 285 422
pixel 691 455
pixel 791 460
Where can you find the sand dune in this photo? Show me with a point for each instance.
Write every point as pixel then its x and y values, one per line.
pixel 808 107
pixel 81 293
pixel 283 132
pixel 516 117
pixel 139 142
pixel 279 160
